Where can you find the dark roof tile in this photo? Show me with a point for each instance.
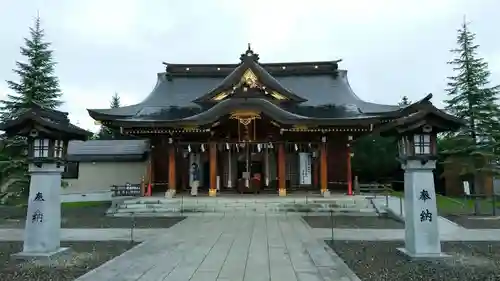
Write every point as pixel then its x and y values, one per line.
pixel 107 147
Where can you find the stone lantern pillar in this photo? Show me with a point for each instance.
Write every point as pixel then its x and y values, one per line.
pixel 417 153
pixel 417 130
pixel 47 133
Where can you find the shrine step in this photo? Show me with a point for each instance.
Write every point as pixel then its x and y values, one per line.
pixel 152 205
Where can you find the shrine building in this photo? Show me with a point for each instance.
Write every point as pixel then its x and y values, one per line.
pixel 252 127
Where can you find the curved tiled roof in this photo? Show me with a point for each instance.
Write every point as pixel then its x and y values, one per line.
pixel 181 91
pixel 187 86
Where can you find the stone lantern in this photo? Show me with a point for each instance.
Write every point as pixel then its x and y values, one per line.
pixel 418 144
pixel 47 133
pixel 417 133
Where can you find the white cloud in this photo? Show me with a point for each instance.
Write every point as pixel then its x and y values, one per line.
pixel 103 21
pixel 390 47
pixel 77 100
pixel 4 90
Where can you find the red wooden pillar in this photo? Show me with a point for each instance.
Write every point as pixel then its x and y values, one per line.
pixel 323 167
pixel 171 168
pixel 281 170
pixel 315 170
pixel 213 169
pixel 151 174
pixel 349 170
pixel 147 185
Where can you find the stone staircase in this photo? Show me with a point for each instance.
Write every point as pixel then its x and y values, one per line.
pixel 245 204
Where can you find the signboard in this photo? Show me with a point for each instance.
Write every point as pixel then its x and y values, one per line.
pixel 466 188
pixel 193 158
pixel 305 177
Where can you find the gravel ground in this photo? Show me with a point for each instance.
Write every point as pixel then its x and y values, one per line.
pixel 380 261
pixel 476 222
pixel 84 256
pixel 88 217
pixel 373 222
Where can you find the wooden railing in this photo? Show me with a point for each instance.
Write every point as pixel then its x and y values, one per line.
pixel 372 188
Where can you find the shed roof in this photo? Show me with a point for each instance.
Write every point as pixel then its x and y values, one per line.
pixel 107 150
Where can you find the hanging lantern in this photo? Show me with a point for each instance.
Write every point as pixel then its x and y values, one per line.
pixel 45 147
pixel 417 144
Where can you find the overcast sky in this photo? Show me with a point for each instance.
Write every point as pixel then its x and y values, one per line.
pixel 390 48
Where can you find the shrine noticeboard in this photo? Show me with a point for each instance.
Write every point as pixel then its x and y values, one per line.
pixel 305 176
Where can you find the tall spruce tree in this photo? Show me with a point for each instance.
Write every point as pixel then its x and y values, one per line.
pixel 37 83
pixel 105 132
pixel 474 100
pixel 404 101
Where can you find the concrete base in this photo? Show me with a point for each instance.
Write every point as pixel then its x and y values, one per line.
pixel 423 256
pixel 170 193
pixel 282 192
pixel 326 193
pixel 212 192
pixel 47 256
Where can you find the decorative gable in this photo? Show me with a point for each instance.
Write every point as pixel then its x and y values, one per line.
pixel 250 81
pixel 248 78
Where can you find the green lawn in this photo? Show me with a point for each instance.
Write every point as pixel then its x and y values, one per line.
pixel 457 205
pixel 23 201
pixel 85 204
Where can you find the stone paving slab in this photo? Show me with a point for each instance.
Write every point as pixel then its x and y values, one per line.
pixel 91 234
pixel 396 206
pixel 398 234
pixel 227 248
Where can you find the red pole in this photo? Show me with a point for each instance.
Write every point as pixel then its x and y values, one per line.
pixel 349 172
pixel 149 189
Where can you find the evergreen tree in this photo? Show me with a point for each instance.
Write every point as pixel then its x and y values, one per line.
pixel 105 132
pixel 37 84
pixel 115 101
pixel 474 100
pixel 375 158
pixel 404 101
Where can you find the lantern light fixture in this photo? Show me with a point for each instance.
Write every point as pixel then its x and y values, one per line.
pixel 44 148
pixel 417 144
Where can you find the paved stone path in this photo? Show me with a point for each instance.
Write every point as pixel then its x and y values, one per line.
pixel 91 234
pixel 397 206
pixel 229 248
pixel 399 234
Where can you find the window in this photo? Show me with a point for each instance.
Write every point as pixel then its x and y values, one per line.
pixel 58 148
pixel 71 170
pixel 422 144
pixel 41 148
pixel 403 146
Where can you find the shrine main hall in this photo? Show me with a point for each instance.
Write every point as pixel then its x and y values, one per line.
pixel 251 127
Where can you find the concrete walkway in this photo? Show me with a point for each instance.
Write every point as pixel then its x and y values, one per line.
pixel 92 234
pixel 397 207
pixel 229 248
pixel 399 234
pixel 121 234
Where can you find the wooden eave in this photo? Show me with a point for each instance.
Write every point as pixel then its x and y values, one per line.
pixel 426 115
pixel 30 120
